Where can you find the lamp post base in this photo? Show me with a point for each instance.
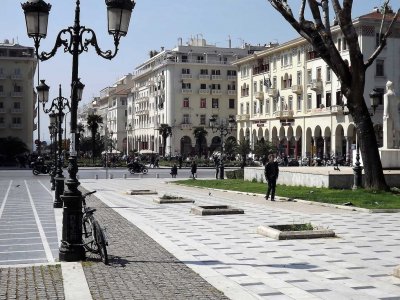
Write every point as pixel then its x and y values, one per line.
pixel 58 192
pixel 357 171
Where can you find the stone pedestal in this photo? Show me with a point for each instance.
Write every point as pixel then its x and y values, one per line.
pixel 390 158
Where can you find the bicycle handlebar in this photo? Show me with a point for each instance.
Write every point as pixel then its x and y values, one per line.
pixel 88 193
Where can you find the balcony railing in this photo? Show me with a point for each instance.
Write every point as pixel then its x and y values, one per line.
pixel 186 126
pixel 16 111
pixel 316 85
pixel 284 114
pixel 16 126
pixel 216 92
pixel 3 125
pixel 204 76
pixel 204 91
pixel 186 76
pixel 272 92
pixel 337 109
pixel 259 95
pixel 16 76
pixel 2 110
pixel 3 76
pixel 216 77
pixel 232 92
pixel 186 91
pixel 16 94
pixel 2 94
pixel 243 117
pixel 232 77
pixel 142 112
pixel 297 89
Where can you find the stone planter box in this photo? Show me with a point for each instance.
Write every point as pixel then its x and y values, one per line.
pixel 208 210
pixel 277 234
pixel 172 200
pixel 141 192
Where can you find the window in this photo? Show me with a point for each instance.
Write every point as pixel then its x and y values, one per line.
pixel 231 103
pixel 298 56
pixel 319 74
pixel 200 59
pixel 17 89
pixel 17 105
pixel 186 85
pixel 186 119
pixel 339 44
pixel 184 58
pixel 274 105
pixel 380 67
pixel 299 102
pixel 216 86
pixel 203 103
pixel 215 72
pixel 2 120
pixel 202 119
pixel 319 100
pixel 328 74
pixel 186 102
pixel 241 108
pixel 232 86
pixel 255 107
pixel 1 89
pixel 16 120
pixel 185 71
pixel 261 107
pixel 267 106
pixel 328 99
pixel 344 44
pixel 215 103
pixel 298 82
pixel 231 72
pixel 203 86
pixel 1 105
pixel 274 83
pixel 309 101
pixel 274 63
pixel 339 98
pixel 290 104
pixel 309 76
pixel 255 86
pixel 203 72
pixel 247 108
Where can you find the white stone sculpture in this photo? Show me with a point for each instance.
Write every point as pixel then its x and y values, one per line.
pixel 391 118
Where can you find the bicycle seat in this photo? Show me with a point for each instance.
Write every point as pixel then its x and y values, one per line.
pixel 90 210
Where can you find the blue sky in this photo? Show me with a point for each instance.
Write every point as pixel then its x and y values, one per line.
pixel 154 23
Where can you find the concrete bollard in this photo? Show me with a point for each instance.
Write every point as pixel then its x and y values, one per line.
pixel 124 176
pixel 111 176
pixel 157 175
pixel 96 177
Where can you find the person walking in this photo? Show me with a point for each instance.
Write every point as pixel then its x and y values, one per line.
pixel 217 163
pixel 193 169
pixel 174 171
pixel 271 175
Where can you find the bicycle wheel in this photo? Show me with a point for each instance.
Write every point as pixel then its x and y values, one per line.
pixel 101 241
pixel 88 237
pixel 145 170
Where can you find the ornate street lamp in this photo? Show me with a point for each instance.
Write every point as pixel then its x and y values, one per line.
pixel 375 97
pixel 128 129
pixel 36 16
pixel 53 134
pixel 58 105
pixel 223 129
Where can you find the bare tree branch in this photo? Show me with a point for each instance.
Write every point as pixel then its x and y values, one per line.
pixel 325 10
pixel 302 8
pixel 382 41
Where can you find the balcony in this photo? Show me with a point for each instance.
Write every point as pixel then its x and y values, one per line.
pixel 243 117
pixel 150 83
pixel 16 77
pixel 2 110
pixel 284 114
pixel 16 111
pixel 188 126
pixel 232 77
pixel 3 94
pixel 272 92
pixel 297 89
pixel 3 76
pixel 216 77
pixel 142 112
pixel 232 92
pixel 316 85
pixel 336 109
pixel 259 95
pixel 3 125
pixel 204 76
pixel 216 92
pixel 16 126
pixel 186 76
pixel 186 91
pixel 16 94
pixel 320 111
pixel 204 91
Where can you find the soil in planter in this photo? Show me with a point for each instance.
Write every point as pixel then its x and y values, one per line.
pixel 293 227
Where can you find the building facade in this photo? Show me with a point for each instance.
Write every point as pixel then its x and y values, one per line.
pixel 17 96
pixel 290 97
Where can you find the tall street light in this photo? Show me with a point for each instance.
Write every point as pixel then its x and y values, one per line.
pixel 53 142
pixel 36 17
pixel 128 129
pixel 223 129
pixel 58 105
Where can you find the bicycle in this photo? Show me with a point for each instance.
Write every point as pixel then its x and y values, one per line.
pixel 94 238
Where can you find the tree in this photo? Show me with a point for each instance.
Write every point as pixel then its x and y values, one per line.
pixel 200 134
pixel 165 131
pixel 80 129
pixel 93 122
pixel 243 150
pixel 12 146
pixel 262 148
pixel 230 147
pixel 351 75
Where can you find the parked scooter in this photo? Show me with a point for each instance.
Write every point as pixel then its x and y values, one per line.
pixel 39 167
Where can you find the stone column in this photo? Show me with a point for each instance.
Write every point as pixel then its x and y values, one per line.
pixel 296 146
pixel 348 149
pixel 287 146
pixel 326 150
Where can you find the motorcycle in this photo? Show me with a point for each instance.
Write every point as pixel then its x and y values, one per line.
pixel 40 168
pixel 137 168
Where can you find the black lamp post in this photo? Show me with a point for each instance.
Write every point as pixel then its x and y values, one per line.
pixel 224 130
pixel 58 105
pixel 36 17
pixel 375 97
pixel 53 135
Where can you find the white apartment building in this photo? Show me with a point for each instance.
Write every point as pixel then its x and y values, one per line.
pixel 17 96
pixel 183 87
pixel 302 113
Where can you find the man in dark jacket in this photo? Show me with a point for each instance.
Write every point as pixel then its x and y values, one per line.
pixel 271 175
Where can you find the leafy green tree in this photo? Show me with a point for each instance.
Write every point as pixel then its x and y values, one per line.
pixel 243 150
pixel 200 134
pixel 350 70
pixel 262 148
pixel 12 146
pixel 93 123
pixel 230 147
pixel 165 131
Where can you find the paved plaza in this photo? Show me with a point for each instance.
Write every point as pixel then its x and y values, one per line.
pixel 162 251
